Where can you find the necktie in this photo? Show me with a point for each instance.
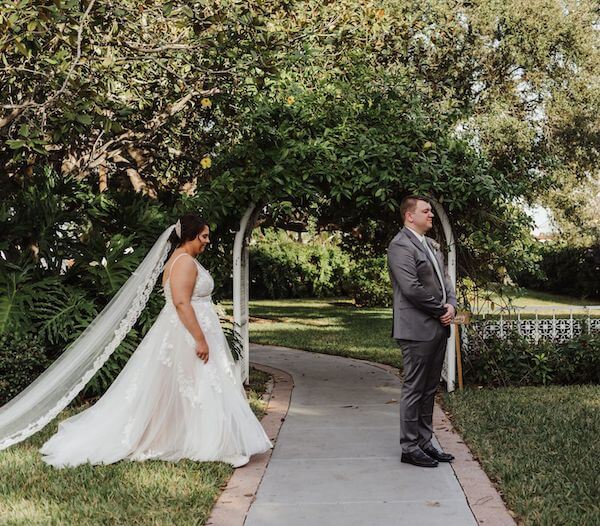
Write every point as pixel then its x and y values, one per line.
pixel 436 266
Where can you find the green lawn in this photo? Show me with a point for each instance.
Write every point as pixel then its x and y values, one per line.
pixel 531 298
pixel 330 327
pixel 131 493
pixel 540 445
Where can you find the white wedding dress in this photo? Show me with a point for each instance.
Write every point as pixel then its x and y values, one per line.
pixel 167 403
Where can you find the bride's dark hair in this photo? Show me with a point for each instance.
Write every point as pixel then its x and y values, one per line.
pixel 191 226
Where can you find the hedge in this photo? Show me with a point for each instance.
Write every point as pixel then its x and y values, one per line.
pixel 515 361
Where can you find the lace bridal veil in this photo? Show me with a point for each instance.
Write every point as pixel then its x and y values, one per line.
pixel 54 389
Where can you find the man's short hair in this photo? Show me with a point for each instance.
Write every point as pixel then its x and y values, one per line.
pixel 409 203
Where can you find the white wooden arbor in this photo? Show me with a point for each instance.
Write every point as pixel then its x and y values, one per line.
pixel 241 288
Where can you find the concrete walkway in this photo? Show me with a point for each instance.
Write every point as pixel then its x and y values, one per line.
pixel 337 457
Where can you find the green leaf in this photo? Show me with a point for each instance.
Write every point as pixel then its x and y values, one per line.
pixel 16 144
pixel 84 119
pixel 7 308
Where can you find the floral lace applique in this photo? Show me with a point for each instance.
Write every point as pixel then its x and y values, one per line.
pixel 132 389
pixel 227 366
pixel 206 319
pixel 164 351
pixel 187 387
pixel 213 377
pixel 126 440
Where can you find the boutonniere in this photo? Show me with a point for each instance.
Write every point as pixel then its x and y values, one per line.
pixel 436 246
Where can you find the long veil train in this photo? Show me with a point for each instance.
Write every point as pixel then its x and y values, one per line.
pixel 54 389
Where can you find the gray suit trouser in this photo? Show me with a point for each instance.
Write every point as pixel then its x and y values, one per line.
pixel 423 363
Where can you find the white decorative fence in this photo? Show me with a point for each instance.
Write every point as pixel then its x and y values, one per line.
pixel 548 323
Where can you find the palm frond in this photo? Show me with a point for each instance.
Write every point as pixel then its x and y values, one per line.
pixel 10 309
pixel 234 341
pixel 16 289
pixel 61 312
pixel 106 266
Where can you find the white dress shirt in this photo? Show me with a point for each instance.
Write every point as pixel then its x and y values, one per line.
pixel 420 237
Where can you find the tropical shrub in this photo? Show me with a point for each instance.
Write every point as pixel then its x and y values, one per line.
pixel 576 361
pixel 566 269
pixel 65 252
pixel 22 360
pixel 52 313
pixel 369 282
pixel 53 310
pixel 282 268
pixel 515 361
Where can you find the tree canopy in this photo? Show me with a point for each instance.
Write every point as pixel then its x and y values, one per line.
pixel 333 109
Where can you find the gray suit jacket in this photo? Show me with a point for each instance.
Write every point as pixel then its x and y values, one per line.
pixel 417 291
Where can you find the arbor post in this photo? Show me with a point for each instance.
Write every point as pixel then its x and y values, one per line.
pixel 241 289
pixel 449 372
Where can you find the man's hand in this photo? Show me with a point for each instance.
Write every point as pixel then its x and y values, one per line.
pixel 446 319
pixel 202 350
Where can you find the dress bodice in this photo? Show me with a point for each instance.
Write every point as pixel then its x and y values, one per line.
pixel 202 289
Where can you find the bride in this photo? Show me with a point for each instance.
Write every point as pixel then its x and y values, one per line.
pixel 180 394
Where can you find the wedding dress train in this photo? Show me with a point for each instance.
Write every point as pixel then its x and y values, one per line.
pixel 167 403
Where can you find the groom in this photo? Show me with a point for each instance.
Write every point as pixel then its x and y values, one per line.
pixel 424 307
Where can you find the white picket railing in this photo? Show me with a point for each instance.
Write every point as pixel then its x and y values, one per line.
pixel 553 323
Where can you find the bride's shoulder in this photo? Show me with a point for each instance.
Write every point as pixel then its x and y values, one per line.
pixel 180 262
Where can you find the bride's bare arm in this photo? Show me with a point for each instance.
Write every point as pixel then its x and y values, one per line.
pixel 183 281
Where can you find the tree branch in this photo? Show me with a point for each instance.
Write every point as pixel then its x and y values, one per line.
pixel 74 64
pixel 5 121
pixel 112 148
pixel 167 47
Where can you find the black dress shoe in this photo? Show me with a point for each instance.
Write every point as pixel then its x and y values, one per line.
pixel 418 458
pixel 440 456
